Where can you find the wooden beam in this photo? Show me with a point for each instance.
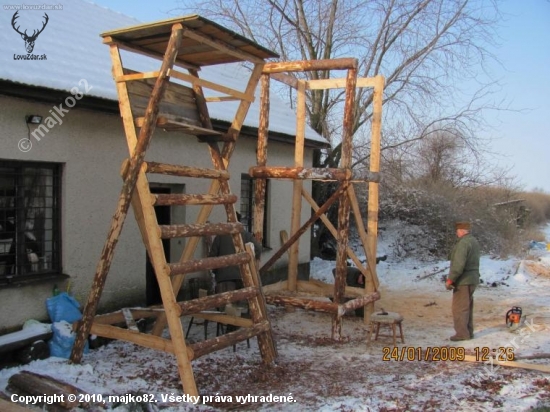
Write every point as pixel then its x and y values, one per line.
pixel 286 79
pixel 210 263
pixel 137 76
pixel 297 186
pixel 197 81
pixel 307 65
pixel 334 233
pixel 323 84
pixel 363 235
pixel 301 230
pixel 229 339
pixel 215 301
pixel 304 303
pixel 510 364
pixel 221 46
pixel 373 199
pixel 357 303
pixel 185 171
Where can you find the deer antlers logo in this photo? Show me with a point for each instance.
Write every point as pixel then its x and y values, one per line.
pixel 29 40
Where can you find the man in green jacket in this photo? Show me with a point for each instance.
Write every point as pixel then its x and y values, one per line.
pixel 462 280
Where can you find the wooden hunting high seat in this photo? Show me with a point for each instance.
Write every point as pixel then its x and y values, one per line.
pixel 151 99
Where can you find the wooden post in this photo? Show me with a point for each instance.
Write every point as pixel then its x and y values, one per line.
pixel 372 206
pixel 297 185
pixel 119 216
pixel 344 204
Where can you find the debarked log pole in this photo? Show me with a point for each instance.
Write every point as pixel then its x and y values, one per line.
pixel 229 339
pixel 304 303
pixel 312 173
pixel 216 301
pixel 357 303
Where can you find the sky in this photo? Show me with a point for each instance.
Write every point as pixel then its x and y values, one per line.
pixel 520 136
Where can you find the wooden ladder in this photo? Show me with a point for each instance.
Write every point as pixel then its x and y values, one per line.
pixel 136 191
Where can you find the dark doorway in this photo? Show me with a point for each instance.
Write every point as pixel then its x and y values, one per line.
pixel 152 291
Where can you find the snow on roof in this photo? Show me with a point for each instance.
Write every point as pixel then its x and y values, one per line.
pixel 69 53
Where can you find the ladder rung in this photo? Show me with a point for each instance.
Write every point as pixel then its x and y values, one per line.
pixel 202 229
pixel 185 171
pixel 209 263
pixel 193 199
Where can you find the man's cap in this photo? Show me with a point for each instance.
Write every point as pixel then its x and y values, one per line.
pixel 463 225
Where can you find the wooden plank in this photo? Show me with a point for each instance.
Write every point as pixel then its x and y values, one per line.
pixel 373 199
pixel 141 339
pixel 118 317
pixel 307 65
pixel 286 79
pixel 137 76
pixel 510 364
pixel 225 319
pixel 196 81
pixel 125 197
pixel 211 263
pixel 323 84
pixel 297 186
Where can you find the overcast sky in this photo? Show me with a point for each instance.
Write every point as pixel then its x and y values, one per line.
pixel 522 136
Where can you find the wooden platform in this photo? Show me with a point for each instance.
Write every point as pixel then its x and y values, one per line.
pixel 205 43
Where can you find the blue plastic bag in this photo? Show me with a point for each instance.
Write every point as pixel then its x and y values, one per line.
pixel 61 344
pixel 63 307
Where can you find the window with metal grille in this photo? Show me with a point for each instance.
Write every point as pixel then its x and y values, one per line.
pixel 247 205
pixel 30 242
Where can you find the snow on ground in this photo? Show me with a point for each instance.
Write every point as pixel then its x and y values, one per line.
pixel 317 374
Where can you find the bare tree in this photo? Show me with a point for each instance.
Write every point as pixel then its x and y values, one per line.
pixel 432 53
pixel 426 49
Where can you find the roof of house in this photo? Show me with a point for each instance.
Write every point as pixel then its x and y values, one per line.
pixel 70 54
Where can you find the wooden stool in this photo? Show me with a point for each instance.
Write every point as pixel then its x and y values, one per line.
pixel 391 319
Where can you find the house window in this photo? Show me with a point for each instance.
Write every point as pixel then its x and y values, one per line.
pixel 29 220
pixel 247 205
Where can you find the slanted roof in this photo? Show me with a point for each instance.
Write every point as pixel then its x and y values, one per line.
pixel 77 57
pixel 152 38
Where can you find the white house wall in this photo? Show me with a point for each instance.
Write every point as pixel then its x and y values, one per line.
pixel 91 146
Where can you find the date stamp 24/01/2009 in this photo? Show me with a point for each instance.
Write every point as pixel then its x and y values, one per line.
pixel 446 353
